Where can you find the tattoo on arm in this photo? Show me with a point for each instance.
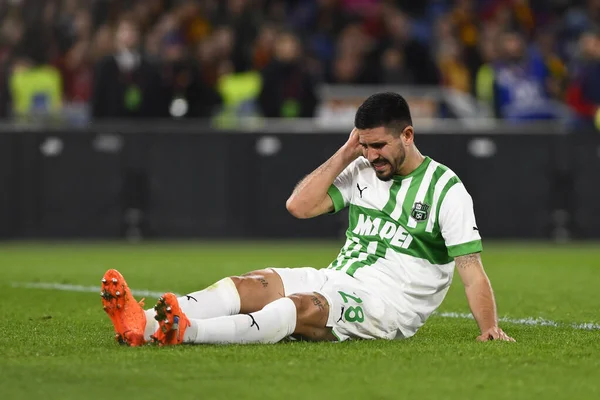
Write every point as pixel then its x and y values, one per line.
pixel 478 290
pixel 471 270
pixel 468 260
pixel 317 302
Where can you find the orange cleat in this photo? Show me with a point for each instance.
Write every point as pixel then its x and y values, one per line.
pixel 172 322
pixel 126 314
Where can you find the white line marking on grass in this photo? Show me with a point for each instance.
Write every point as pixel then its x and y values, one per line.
pixel 79 288
pixel 527 321
pixel 588 326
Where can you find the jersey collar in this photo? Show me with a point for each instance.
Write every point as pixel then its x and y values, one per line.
pixel 421 168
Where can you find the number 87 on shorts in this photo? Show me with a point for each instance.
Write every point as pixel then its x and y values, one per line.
pixel 363 315
pixel 353 313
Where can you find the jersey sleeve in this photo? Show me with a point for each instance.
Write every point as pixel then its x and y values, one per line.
pixel 457 222
pixel 341 189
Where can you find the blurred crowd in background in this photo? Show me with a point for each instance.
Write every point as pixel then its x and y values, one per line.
pixel 218 58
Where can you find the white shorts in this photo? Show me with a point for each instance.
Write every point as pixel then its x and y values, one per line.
pixel 355 311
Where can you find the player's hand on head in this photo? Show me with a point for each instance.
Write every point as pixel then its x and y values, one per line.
pixel 494 333
pixel 353 146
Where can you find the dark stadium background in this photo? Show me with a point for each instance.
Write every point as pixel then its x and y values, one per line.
pixel 195 118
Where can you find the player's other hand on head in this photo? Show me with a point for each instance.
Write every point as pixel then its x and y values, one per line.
pixel 494 333
pixel 353 146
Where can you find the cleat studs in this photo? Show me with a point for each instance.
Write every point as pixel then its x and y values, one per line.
pixel 117 293
pixel 168 309
pixel 121 339
pixel 103 280
pixel 114 280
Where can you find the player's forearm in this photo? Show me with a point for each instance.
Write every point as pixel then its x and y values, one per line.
pixel 481 301
pixel 311 192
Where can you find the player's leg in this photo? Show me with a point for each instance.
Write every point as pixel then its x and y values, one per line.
pixel 301 314
pixel 229 296
pixel 312 316
pixel 246 293
pixel 232 295
pixel 134 326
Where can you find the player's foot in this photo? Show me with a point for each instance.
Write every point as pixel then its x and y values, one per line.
pixel 172 322
pixel 126 314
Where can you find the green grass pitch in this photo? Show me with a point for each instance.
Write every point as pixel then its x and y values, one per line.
pixel 59 344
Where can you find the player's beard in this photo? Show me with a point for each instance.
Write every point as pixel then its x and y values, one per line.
pixel 385 175
pixel 391 169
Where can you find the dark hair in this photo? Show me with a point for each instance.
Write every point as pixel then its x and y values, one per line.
pixel 388 109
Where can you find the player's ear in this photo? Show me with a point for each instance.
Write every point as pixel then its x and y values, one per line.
pixel 408 135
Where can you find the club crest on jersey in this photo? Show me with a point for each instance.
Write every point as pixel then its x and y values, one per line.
pixel 420 211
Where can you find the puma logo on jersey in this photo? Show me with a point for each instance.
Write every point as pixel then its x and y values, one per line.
pixel 360 191
pixel 396 234
pixel 342 314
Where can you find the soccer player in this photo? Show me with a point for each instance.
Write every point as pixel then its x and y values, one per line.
pixel 411 221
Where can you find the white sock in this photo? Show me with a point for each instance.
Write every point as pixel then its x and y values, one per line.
pixel 269 325
pixel 217 300
pixel 151 324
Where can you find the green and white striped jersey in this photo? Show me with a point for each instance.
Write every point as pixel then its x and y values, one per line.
pixel 403 234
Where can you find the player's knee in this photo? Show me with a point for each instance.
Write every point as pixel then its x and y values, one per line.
pixel 312 311
pixel 257 289
pixel 255 280
pixel 311 308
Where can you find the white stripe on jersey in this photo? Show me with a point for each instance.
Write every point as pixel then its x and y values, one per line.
pixel 412 223
pixel 439 187
pixel 400 196
pixel 372 248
